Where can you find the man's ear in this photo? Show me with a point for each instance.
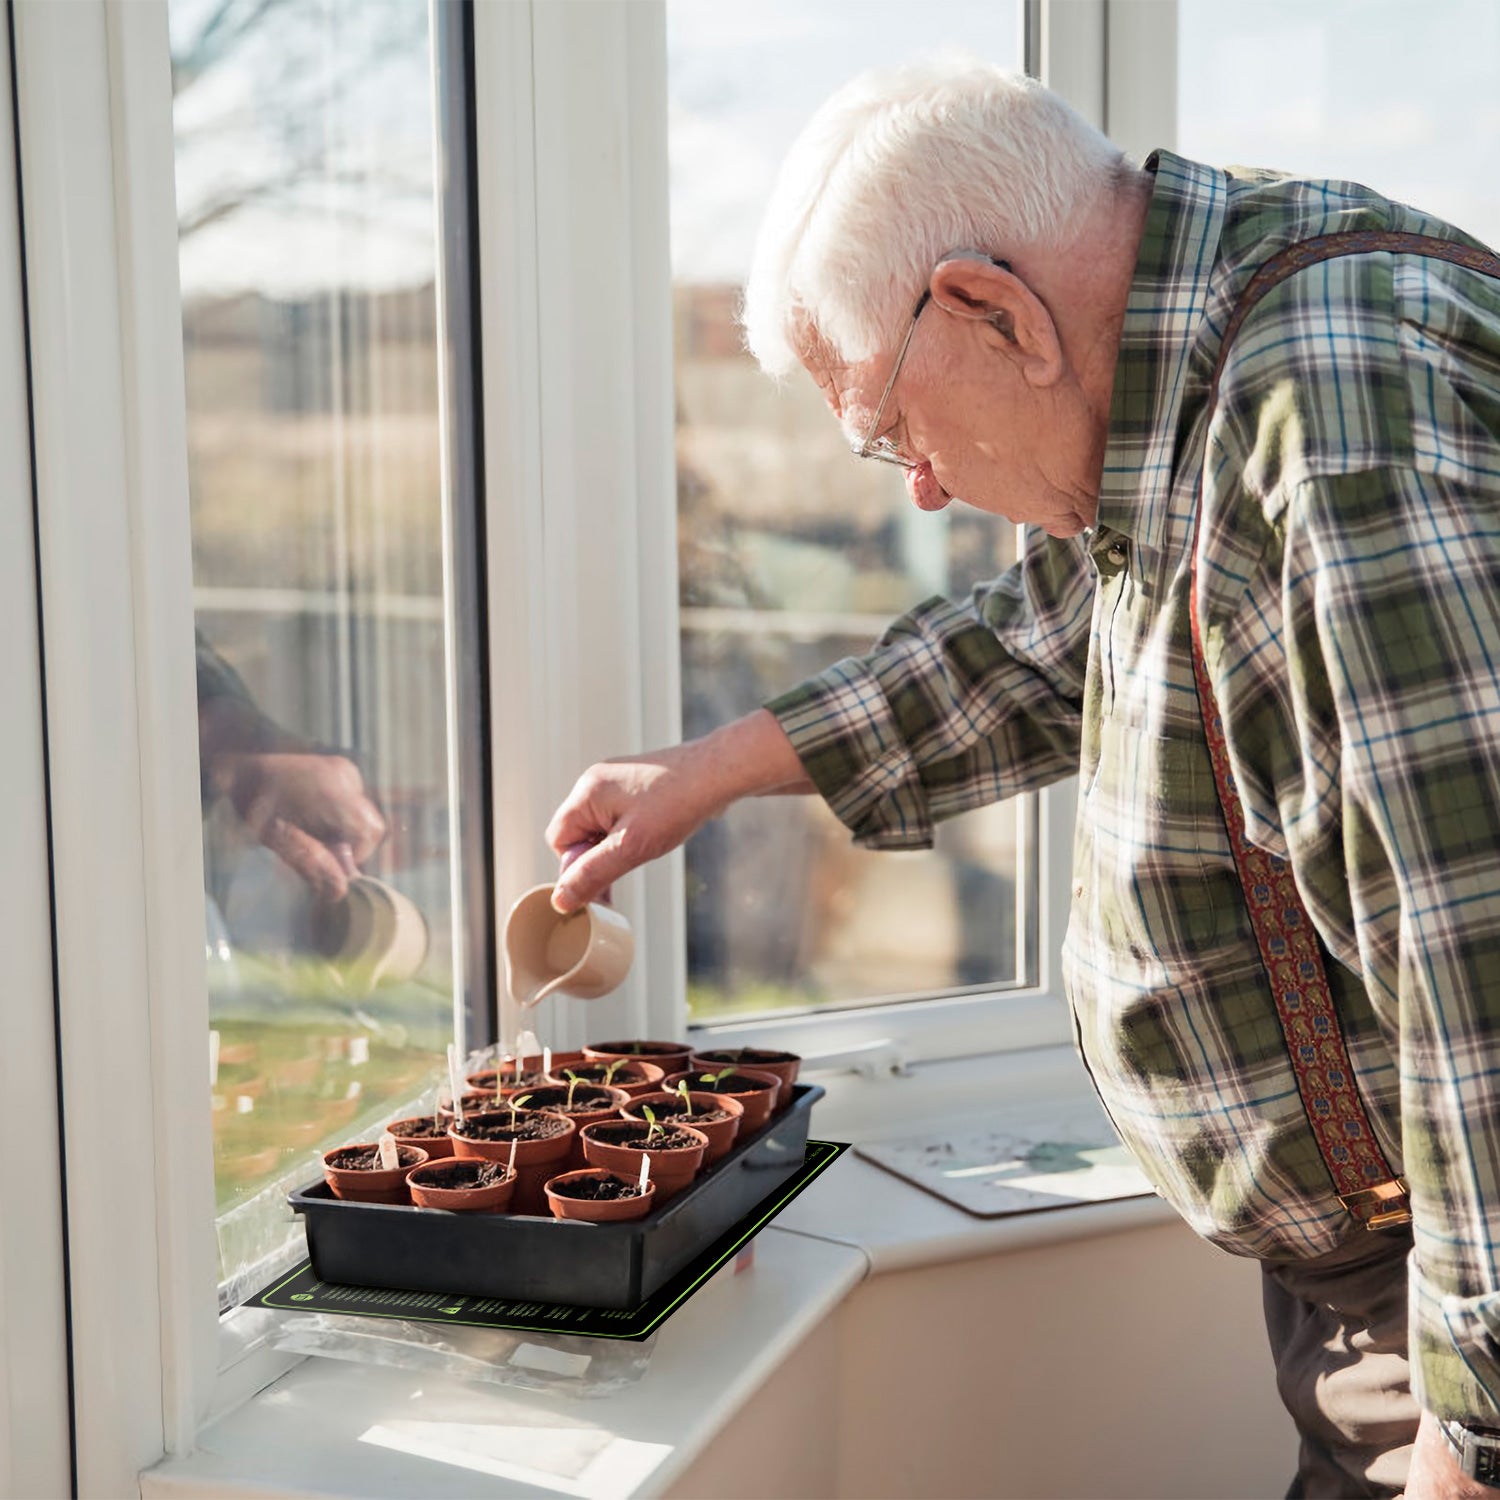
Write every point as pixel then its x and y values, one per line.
pixel 970 285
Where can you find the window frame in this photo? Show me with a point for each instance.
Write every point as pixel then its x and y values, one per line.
pixel 575 343
pixel 35 1450
pixel 93 111
pixel 576 347
pixel 1115 62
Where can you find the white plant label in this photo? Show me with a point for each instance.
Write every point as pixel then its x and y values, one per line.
pixel 390 1157
pixel 455 1084
pixel 547 1061
pixel 510 1165
pixel 527 1045
pixel 645 1170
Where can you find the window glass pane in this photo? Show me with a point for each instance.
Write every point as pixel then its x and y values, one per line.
pixel 1403 99
pixel 793 553
pixel 310 242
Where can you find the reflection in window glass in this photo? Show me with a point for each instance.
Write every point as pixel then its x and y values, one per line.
pixel 1403 99
pixel 309 245
pixel 793 553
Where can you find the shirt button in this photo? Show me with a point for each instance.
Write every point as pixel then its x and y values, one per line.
pixel 1116 555
pixel 1077 889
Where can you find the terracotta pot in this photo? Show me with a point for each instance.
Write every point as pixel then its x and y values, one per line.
pixel 635 1077
pixel 670 1057
pixel 434 1145
pixel 758 1099
pixel 536 1161
pixel 671 1171
pixel 552 1096
pixel 494 1199
pixel 484 1083
pixel 371 1184
pixel 475 1102
pixel 720 1133
pixel 485 1078
pixel 598 1210
pixel 784 1065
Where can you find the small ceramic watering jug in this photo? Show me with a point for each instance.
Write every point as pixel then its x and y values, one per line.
pixel 584 954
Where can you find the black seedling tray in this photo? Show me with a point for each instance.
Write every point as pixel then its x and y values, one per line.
pixel 302 1291
pixel 526 1259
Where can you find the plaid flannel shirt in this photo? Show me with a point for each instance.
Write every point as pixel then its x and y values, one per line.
pixel 1350 593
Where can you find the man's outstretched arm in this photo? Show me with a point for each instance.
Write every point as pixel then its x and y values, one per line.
pixel 640 807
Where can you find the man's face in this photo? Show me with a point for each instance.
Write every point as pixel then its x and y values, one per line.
pixel 968 408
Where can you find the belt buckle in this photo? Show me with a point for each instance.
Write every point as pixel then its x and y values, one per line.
pixel 1381 1192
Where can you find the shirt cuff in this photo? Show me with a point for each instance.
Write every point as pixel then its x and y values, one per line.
pixel 841 726
pixel 1455 1352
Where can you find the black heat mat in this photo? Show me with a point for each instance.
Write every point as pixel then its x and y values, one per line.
pixel 302 1291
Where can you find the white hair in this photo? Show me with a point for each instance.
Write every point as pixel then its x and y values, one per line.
pixel 899 167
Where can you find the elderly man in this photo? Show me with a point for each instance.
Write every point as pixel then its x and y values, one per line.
pixel 1258 421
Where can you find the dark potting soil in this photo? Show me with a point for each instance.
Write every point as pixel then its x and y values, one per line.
pixel 596 1189
pixel 639 1049
pixel 748 1057
pixel 423 1129
pixel 528 1127
pixel 675 1109
pixel 479 1082
pixel 736 1083
pixel 598 1072
pixel 464 1174
pixel 367 1158
pixel 633 1138
pixel 586 1100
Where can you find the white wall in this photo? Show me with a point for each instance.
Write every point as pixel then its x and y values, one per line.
pixel 1129 1365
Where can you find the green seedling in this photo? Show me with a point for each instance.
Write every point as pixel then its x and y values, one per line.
pixel 612 1069
pixel 686 1097
pixel 713 1080
pixel 514 1105
pixel 654 1129
pixel 573 1081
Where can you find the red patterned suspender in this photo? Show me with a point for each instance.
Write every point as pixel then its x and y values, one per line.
pixel 1288 944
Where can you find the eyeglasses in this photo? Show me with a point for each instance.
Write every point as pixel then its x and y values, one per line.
pixel 883 448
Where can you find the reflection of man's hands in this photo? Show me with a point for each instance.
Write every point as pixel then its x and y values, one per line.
pixel 311 810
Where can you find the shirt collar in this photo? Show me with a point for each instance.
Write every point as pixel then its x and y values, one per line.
pixel 1168 294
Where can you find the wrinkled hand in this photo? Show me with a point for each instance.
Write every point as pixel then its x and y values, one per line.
pixel 630 811
pixel 640 807
pixel 310 810
pixel 1435 1474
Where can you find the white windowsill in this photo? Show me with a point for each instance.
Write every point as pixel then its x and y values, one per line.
pixel 321 1428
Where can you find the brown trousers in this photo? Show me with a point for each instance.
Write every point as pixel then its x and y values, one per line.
pixel 1338 1327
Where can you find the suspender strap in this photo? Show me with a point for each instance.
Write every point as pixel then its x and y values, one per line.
pixel 1289 947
